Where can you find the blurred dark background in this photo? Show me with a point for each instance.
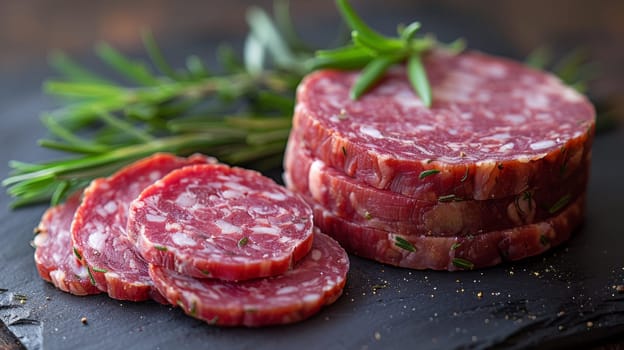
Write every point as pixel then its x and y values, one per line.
pixel 29 30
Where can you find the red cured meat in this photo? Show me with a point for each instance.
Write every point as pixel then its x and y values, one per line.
pixel 221 222
pixel 453 253
pixel 362 204
pixel 54 258
pixel 508 126
pixel 99 227
pixel 315 281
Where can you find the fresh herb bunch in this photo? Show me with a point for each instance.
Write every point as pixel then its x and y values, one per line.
pixel 241 115
pixel 375 53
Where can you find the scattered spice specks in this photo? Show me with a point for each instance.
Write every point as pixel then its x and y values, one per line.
pixel 84 321
pixel 377 336
pixel 619 288
pixel 479 294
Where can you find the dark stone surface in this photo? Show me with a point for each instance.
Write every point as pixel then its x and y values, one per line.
pixel 565 298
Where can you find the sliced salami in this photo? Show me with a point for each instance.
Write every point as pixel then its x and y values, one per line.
pixel 221 222
pixel 315 281
pixel 359 203
pixel 495 128
pixel 452 253
pixel 54 258
pixel 99 228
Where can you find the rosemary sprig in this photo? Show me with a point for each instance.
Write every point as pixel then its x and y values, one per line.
pixel 241 115
pixel 375 53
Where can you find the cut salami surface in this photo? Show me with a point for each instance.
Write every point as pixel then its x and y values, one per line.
pixel 315 281
pixel 453 253
pixel 99 227
pixel 359 203
pixel 495 128
pixel 221 222
pixel 54 257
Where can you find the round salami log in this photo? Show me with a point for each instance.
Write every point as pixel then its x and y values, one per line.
pixel 99 227
pixel 452 253
pixel 54 258
pixel 359 203
pixel 494 129
pixel 221 222
pixel 315 281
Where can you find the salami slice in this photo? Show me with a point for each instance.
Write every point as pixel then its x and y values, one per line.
pixel 54 258
pixel 221 222
pixel 99 227
pixel 359 203
pixel 452 253
pixel 495 128
pixel 315 281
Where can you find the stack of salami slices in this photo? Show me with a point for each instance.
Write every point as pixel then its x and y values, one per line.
pixel 494 170
pixel 227 245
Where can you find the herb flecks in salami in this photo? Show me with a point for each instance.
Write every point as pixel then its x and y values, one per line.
pixel 462 263
pixel 560 204
pixel 564 165
pixel 404 244
pixel 56 259
pixel 237 223
pixel 447 198
pixel 465 177
pixel 390 135
pixel 243 242
pixel 344 150
pixel 315 281
pixel 456 245
pixel 351 199
pixel 91 278
pixel 429 172
pixel 77 253
pixel 544 240
pixel 100 233
pixel 161 248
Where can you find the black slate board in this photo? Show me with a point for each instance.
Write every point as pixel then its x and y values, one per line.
pixel 562 299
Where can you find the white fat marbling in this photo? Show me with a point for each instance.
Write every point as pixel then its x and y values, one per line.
pixel 370 131
pixel 173 226
pixel 506 147
pixel 154 218
pixel 316 255
pixel 266 230
pixel 97 240
pixel 182 239
pixel 276 196
pixel 227 228
pixel 110 207
pixel 186 200
pixel 542 144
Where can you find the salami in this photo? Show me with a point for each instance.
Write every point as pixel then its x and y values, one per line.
pixel 495 128
pixel 99 228
pixel 452 253
pixel 221 222
pixel 315 281
pixel 54 258
pixel 357 202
